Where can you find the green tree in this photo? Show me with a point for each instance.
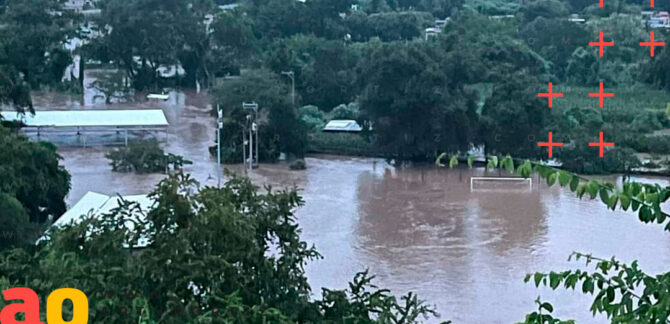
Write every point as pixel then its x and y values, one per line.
pixel 438 8
pixel 325 70
pixel 14 90
pixel 514 117
pixel 32 39
pixel 544 8
pixel 31 172
pixel 482 50
pixel 280 129
pixel 279 18
pixel 620 63
pixel 392 26
pixel 142 35
pixel 416 108
pixel 555 40
pixel 349 111
pixel 14 222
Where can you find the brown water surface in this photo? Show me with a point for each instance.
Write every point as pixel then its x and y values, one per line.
pixel 419 229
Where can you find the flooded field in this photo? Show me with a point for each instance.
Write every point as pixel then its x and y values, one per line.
pixel 419 229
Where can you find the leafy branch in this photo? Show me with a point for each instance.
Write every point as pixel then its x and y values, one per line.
pixel 539 318
pixel 623 292
pixel 645 199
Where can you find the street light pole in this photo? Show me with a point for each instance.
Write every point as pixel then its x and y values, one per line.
pixel 291 75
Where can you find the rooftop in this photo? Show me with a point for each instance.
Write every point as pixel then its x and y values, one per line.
pixel 342 125
pixel 90 118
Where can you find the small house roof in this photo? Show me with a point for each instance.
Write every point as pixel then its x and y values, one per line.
pixel 342 125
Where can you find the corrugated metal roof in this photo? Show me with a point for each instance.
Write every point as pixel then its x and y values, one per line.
pixel 90 118
pixel 342 125
pixel 97 205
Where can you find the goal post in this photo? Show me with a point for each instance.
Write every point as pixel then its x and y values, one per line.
pixel 500 183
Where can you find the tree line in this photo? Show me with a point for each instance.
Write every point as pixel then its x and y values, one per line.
pixel 472 84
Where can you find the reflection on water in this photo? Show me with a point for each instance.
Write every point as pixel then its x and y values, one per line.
pixel 419 229
pixel 422 229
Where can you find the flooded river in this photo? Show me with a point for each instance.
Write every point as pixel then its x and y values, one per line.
pixel 419 229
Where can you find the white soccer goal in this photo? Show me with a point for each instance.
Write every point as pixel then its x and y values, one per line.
pixel 499 183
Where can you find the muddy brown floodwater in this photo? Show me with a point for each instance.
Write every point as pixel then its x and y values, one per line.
pixel 419 229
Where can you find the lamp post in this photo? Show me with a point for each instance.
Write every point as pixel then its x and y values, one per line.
pixel 291 75
pixel 219 126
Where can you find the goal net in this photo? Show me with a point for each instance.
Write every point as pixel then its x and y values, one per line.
pixel 500 184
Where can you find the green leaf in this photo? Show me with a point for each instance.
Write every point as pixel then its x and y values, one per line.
pixel 453 162
pixel 625 201
pixel 581 190
pixel 587 286
pixel 551 179
pixel 564 178
pixel 645 214
pixel 592 188
pixel 438 161
pixel 538 277
pixel 574 183
pixel 509 165
pixel 547 306
pixel 612 202
pixel 610 294
pixel 525 169
pixel 634 204
pixel 604 195
pixel 554 280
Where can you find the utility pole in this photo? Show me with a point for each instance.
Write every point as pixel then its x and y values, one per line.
pixel 219 126
pixel 291 75
pixel 253 129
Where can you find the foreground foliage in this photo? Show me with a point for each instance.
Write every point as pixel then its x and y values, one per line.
pixel 228 255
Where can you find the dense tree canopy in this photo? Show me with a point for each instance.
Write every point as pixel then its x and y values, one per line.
pixel 416 108
pixel 280 128
pixel 32 39
pixel 32 173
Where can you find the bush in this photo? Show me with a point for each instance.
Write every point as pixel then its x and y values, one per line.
pixel 312 117
pixel 144 156
pixel 298 164
pixel 350 111
pixel 340 143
